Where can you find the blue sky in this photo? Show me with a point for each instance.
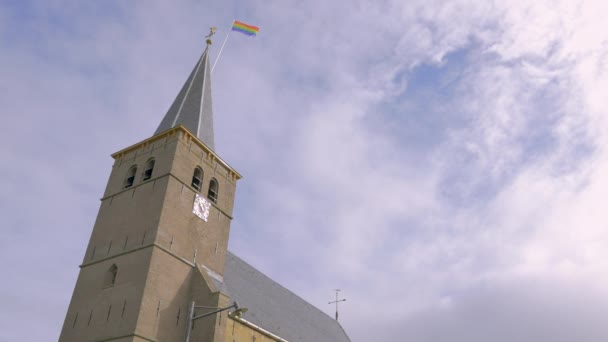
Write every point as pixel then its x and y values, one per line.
pixel 442 162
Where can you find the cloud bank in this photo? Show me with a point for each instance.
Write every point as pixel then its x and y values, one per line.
pixel 442 162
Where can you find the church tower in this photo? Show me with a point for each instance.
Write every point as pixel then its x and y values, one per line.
pixel 161 234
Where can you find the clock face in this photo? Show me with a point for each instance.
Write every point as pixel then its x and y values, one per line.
pixel 201 207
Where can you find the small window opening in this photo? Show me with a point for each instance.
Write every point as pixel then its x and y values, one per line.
pixel 197 178
pixel 212 194
pixel 148 170
pixel 111 276
pixel 130 176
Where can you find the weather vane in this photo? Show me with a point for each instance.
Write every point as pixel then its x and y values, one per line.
pixel 337 301
pixel 212 31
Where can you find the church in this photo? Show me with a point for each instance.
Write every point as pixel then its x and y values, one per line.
pixel 157 266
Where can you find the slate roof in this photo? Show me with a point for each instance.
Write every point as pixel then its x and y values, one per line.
pixel 192 107
pixel 276 309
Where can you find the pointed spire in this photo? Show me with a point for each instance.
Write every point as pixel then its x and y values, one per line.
pixel 192 107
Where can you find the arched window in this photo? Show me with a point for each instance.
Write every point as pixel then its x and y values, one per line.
pixel 110 278
pixel 130 176
pixel 148 170
pixel 213 192
pixel 197 178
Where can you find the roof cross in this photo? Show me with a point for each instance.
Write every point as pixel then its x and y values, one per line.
pixel 212 31
pixel 337 301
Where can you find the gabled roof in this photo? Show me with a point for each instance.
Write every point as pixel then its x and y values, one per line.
pixel 192 107
pixel 276 309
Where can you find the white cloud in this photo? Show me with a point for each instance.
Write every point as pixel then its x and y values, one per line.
pixel 454 240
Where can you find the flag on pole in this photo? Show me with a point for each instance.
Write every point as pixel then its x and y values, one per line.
pixel 244 28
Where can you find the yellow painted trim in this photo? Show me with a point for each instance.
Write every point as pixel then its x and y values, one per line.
pixel 257 328
pixel 189 136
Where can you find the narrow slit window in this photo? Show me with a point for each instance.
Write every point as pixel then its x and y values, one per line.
pixel 213 192
pixel 111 276
pixel 197 178
pixel 124 306
pixel 130 176
pixel 75 320
pixel 148 170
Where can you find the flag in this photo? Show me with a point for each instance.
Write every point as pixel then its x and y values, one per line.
pixel 244 28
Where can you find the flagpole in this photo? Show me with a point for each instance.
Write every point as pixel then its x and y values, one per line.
pixel 223 44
